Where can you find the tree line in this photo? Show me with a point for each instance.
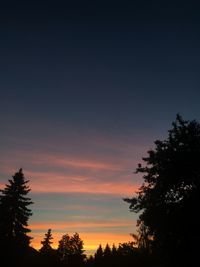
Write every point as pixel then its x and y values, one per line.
pixel 167 202
pixel 15 241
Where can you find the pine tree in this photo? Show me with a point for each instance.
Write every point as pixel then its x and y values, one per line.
pixel 114 250
pixel 107 252
pixel 99 253
pixel 98 256
pixel 14 213
pixel 46 243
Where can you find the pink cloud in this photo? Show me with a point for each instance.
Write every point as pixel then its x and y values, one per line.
pixel 59 173
pixel 103 181
pixel 68 225
pixel 119 153
pixel 53 182
pixel 83 164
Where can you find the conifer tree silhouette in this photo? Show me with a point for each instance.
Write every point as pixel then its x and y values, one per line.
pixel 14 213
pixel 46 243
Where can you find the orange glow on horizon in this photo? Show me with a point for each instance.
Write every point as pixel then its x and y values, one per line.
pixel 99 175
pixel 91 240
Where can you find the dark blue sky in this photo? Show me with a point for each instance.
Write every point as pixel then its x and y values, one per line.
pixel 99 58
pixel 87 86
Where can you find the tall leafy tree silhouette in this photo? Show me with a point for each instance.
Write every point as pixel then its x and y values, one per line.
pixel 142 239
pixel 77 256
pixel 126 249
pixel 77 244
pixel 71 251
pixel 168 200
pixel 64 248
pixel 14 214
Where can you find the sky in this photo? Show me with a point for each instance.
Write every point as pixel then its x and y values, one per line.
pixel 86 87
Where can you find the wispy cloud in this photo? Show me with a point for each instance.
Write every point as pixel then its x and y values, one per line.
pixel 63 161
pixel 56 173
pixel 80 163
pixel 95 180
pixel 52 182
pixel 73 225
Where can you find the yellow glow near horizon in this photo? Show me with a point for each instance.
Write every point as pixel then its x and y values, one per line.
pixel 91 240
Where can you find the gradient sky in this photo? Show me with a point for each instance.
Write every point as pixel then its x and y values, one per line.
pixel 85 89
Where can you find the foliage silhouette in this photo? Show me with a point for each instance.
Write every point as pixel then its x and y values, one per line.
pixel 98 256
pixel 48 255
pixel 46 243
pixel 168 203
pixel 14 216
pixel 125 254
pixel 70 250
pixel 169 198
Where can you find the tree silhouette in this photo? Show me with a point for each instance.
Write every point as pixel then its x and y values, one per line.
pixel 126 254
pixel 70 250
pixel 48 255
pixel 46 243
pixel 142 239
pixel 64 248
pixel 98 256
pixel 169 198
pixel 14 215
pixel 99 252
pixel 126 249
pixel 76 244
pixel 114 250
pixel 77 255
pixel 107 251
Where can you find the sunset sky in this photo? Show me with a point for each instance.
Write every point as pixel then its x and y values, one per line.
pixel 85 89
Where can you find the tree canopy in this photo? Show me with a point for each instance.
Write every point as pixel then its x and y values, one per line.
pixel 168 200
pixel 167 203
pixel 70 250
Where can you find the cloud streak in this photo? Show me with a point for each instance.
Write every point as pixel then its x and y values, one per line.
pixel 52 182
pixel 73 225
pixel 61 174
pixel 77 187
pixel 64 161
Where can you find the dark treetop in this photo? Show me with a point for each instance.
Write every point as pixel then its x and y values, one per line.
pixel 168 200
